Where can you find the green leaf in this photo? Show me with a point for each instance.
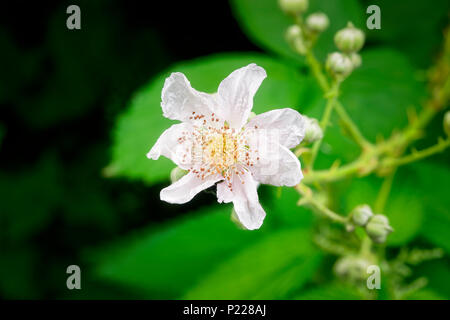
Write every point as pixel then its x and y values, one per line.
pixel 433 183
pixel 334 291
pixel 141 125
pixel 283 209
pixel 418 202
pixel 173 257
pixel 378 94
pixel 405 211
pixel 270 269
pixel 265 23
pixel 419 41
pixel 438 276
pixel 425 294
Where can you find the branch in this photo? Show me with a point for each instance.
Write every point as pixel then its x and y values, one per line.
pixel 308 199
pixel 417 155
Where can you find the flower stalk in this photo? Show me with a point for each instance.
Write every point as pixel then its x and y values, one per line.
pixel 309 199
pixel 331 101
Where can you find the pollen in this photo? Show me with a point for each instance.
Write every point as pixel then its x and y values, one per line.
pixel 212 148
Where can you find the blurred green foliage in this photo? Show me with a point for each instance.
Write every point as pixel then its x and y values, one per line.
pixel 266 24
pixel 58 208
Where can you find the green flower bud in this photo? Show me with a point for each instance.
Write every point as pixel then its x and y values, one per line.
pixel 317 22
pixel 378 228
pixel 293 32
pixel 352 268
pixel 293 6
pixel 447 123
pixel 339 65
pixel 176 174
pixel 349 39
pixel 356 60
pixel 361 215
pixel 313 131
pixel 295 39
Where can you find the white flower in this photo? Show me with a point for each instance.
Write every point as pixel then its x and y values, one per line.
pixel 215 142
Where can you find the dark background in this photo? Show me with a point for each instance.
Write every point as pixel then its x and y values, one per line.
pixel 60 93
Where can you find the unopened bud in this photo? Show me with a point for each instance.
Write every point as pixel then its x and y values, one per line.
pixel 339 65
pixel 447 123
pixel 361 215
pixel 356 60
pixel 176 174
pixel 295 39
pixel 313 131
pixel 352 268
pixel 293 32
pixel 317 22
pixel 378 228
pixel 349 39
pixel 293 6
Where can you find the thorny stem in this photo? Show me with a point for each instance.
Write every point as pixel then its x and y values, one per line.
pixel 417 155
pixel 351 127
pixel 385 156
pixel 368 161
pixel 308 199
pixel 339 173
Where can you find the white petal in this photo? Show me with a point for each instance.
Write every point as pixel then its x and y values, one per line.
pixel 224 193
pixel 236 94
pixel 180 100
pixel 168 145
pixel 290 124
pixel 245 200
pixel 277 166
pixel 187 187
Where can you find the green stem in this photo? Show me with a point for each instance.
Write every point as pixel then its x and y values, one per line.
pixel 317 71
pixel 351 127
pixel 327 212
pixel 383 194
pixel 332 97
pixel 418 155
pixel 340 173
pixel 380 203
pixel 363 163
pixel 366 246
pixel 319 207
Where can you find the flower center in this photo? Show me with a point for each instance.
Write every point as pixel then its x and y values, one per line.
pixel 218 150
